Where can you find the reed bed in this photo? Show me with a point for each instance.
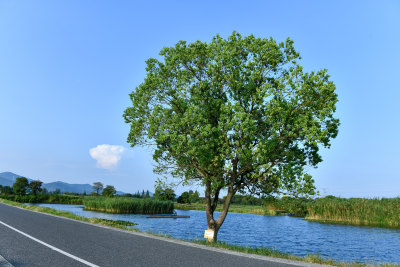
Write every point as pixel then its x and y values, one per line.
pixel 128 205
pixel 383 212
pixel 236 208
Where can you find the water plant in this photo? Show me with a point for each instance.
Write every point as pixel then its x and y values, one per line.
pixel 128 205
pixel 236 208
pixel 384 212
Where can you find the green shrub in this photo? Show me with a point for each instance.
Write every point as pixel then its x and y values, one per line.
pixel 296 206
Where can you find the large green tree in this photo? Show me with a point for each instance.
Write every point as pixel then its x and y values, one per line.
pixel 20 186
pixel 98 187
pixel 36 186
pixel 236 114
pixel 163 192
pixel 109 191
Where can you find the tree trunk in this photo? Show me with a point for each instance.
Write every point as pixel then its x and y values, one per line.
pixel 213 224
pixel 210 213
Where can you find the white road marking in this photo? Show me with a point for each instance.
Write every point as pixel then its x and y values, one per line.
pixel 50 246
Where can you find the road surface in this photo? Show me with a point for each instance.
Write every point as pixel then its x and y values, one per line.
pixel 30 238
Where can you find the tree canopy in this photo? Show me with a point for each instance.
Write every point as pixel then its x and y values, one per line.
pixel 109 191
pixel 20 186
pixel 97 186
pixel 238 114
pixel 163 192
pixel 35 186
pixel 189 197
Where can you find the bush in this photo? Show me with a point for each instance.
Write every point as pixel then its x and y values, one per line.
pixel 296 206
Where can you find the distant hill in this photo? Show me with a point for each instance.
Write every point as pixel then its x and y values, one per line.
pixel 66 187
pixel 8 178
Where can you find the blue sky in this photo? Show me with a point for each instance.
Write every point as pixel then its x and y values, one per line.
pixel 67 67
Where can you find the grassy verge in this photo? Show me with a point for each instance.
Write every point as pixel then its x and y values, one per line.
pixel 53 199
pixel 277 254
pixel 128 205
pixel 118 223
pixel 258 251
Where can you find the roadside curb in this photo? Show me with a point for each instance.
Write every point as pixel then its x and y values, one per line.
pixel 183 243
pixel 4 262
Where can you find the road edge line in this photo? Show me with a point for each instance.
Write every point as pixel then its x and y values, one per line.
pixel 4 262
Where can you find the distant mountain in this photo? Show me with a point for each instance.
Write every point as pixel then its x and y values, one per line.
pixel 9 175
pixel 66 187
pixel 8 178
pixel 5 181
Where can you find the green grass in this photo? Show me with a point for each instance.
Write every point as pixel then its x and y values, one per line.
pixel 282 255
pixel 237 208
pixel 383 212
pixel 259 251
pixel 113 223
pixel 53 199
pixel 128 205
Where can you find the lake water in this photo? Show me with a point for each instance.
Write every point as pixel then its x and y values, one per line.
pixel 284 233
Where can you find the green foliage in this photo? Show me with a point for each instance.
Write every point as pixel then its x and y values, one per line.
pixel 238 114
pixel 238 110
pixel 48 198
pixel 236 208
pixel 139 195
pixel 383 212
pixel 97 186
pixel 292 205
pixel 244 200
pixel 56 192
pixel 128 205
pixel 163 191
pixel 109 191
pixel 20 186
pixel 189 197
pixel 35 186
pixel 184 198
pixel 6 190
pixel 118 222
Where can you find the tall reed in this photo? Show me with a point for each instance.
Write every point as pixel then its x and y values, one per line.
pixel 128 205
pixel 383 212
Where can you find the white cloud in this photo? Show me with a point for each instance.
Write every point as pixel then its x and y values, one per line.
pixel 107 156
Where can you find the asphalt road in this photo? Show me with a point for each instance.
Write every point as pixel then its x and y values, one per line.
pixel 30 238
